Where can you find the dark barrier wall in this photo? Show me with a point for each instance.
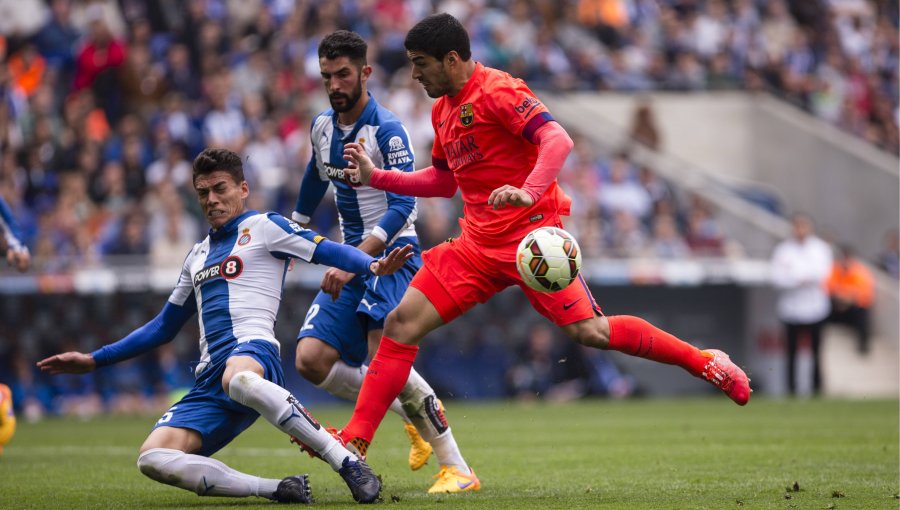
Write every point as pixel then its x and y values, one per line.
pixel 472 357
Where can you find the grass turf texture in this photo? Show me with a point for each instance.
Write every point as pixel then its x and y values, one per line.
pixel 640 454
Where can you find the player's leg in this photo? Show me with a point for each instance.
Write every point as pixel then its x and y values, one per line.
pixel 390 367
pixel 791 335
pixel 169 456
pixel 450 282
pixel 332 343
pixel 815 340
pixel 426 424
pixel 422 412
pixel 574 310
pixel 244 381
pixel 253 378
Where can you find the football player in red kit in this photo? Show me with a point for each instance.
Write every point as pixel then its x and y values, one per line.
pixel 498 144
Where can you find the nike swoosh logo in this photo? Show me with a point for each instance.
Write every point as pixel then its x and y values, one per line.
pixel 464 485
pixel 440 123
pixel 570 305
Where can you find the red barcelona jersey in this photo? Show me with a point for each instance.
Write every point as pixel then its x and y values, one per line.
pixel 483 134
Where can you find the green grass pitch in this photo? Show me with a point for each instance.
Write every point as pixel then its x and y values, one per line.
pixel 637 454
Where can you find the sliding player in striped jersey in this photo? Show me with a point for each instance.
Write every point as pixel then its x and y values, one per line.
pixel 233 280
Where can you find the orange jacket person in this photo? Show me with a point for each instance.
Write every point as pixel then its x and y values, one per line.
pixel 852 290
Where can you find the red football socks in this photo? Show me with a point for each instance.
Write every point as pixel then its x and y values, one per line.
pixel 637 337
pixel 388 373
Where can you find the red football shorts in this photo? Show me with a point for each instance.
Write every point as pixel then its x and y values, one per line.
pixel 457 274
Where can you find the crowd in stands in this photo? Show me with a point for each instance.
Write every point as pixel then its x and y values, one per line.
pixel 103 104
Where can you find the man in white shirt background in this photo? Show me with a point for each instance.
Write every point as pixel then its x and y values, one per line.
pixel 800 265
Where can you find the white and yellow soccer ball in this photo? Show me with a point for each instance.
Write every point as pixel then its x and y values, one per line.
pixel 548 259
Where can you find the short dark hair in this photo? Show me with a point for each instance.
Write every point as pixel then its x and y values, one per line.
pixel 211 160
pixel 438 35
pixel 344 43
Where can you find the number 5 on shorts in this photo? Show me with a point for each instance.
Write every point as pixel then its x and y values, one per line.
pixel 168 416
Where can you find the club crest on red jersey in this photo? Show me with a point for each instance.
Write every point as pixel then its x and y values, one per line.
pixel 466 114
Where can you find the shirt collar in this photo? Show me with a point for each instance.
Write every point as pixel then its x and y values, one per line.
pixel 230 226
pixel 470 84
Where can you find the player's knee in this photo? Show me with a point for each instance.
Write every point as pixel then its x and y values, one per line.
pixel 401 326
pixel 154 463
pixel 240 387
pixel 590 333
pixel 313 369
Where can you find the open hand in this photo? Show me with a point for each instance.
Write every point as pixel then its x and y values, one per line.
pixel 393 261
pixel 68 363
pixel 359 165
pixel 510 195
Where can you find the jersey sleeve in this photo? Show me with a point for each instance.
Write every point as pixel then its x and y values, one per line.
pixel 313 186
pixel 8 227
pixel 286 239
pixel 393 141
pixel 515 106
pixel 184 288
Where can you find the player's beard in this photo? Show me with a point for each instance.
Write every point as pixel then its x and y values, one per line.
pixel 440 86
pixel 349 101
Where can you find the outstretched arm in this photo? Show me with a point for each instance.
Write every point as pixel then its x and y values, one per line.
pixel 312 189
pixel 159 330
pixel 555 146
pixel 16 253
pixel 434 181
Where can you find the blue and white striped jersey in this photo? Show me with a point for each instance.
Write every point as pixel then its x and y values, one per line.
pixel 362 210
pixel 234 280
pixel 236 275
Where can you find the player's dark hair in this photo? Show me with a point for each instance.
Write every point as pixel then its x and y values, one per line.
pixel 211 160
pixel 438 35
pixel 343 43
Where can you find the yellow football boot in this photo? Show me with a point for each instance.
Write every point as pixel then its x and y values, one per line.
pixel 450 480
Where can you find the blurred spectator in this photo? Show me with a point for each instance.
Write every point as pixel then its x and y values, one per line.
pixel 626 236
pixel 57 37
pixel 548 368
pixel 643 126
pixel 622 193
pixel 267 162
pixel 667 243
pixel 98 63
pixel 851 288
pixel 27 68
pixel 127 235
pixel 800 266
pixel 704 234
pixel 224 124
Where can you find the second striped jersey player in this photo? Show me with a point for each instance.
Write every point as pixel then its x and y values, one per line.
pixel 345 321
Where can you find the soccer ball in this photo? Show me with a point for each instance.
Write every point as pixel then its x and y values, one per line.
pixel 548 259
